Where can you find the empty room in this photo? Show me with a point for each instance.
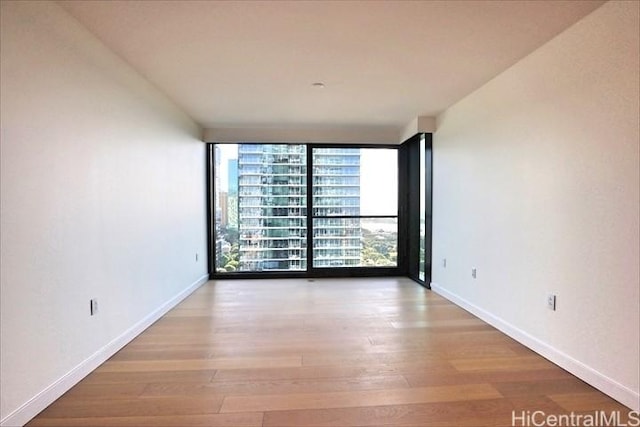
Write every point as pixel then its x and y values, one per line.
pixel 320 213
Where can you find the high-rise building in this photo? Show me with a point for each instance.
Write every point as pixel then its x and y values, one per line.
pixel 216 182
pixel 337 231
pixel 232 203
pixel 272 207
pixel 232 174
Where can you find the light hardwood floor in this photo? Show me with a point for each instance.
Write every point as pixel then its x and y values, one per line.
pixel 330 352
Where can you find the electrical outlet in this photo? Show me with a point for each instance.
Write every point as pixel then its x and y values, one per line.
pixel 444 262
pixel 551 302
pixel 93 306
pixel 474 272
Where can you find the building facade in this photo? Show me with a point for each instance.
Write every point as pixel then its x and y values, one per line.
pixel 272 207
pixel 337 232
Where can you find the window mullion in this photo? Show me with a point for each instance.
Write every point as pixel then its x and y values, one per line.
pixel 310 214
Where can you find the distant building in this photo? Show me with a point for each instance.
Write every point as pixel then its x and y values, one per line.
pixel 216 182
pixel 232 176
pixel 336 184
pixel 232 198
pixel 223 202
pixel 272 198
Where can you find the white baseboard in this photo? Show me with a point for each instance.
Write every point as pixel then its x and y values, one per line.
pixel 46 397
pixel 619 392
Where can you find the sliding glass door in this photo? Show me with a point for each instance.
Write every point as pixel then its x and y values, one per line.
pixel 354 207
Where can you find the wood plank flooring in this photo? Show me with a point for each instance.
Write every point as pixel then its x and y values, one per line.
pixel 334 352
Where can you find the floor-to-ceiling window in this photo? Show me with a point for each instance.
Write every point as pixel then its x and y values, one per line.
pixel 260 207
pixel 416 185
pixel 355 207
pixel 423 200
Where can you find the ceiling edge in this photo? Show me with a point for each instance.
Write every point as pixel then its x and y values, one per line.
pixel 351 135
pixel 422 124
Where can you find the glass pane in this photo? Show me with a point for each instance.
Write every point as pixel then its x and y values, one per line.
pixel 379 181
pixel 261 216
pixel 355 181
pixel 421 272
pixel 355 242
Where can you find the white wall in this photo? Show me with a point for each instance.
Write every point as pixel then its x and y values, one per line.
pixel 103 196
pixel 536 184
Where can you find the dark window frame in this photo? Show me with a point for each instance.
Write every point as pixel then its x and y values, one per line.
pixel 310 272
pixel 410 153
pixel 346 271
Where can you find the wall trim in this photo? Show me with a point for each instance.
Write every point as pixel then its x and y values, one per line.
pixel 614 389
pixel 46 397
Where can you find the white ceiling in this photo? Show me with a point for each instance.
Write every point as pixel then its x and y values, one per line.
pixel 250 64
